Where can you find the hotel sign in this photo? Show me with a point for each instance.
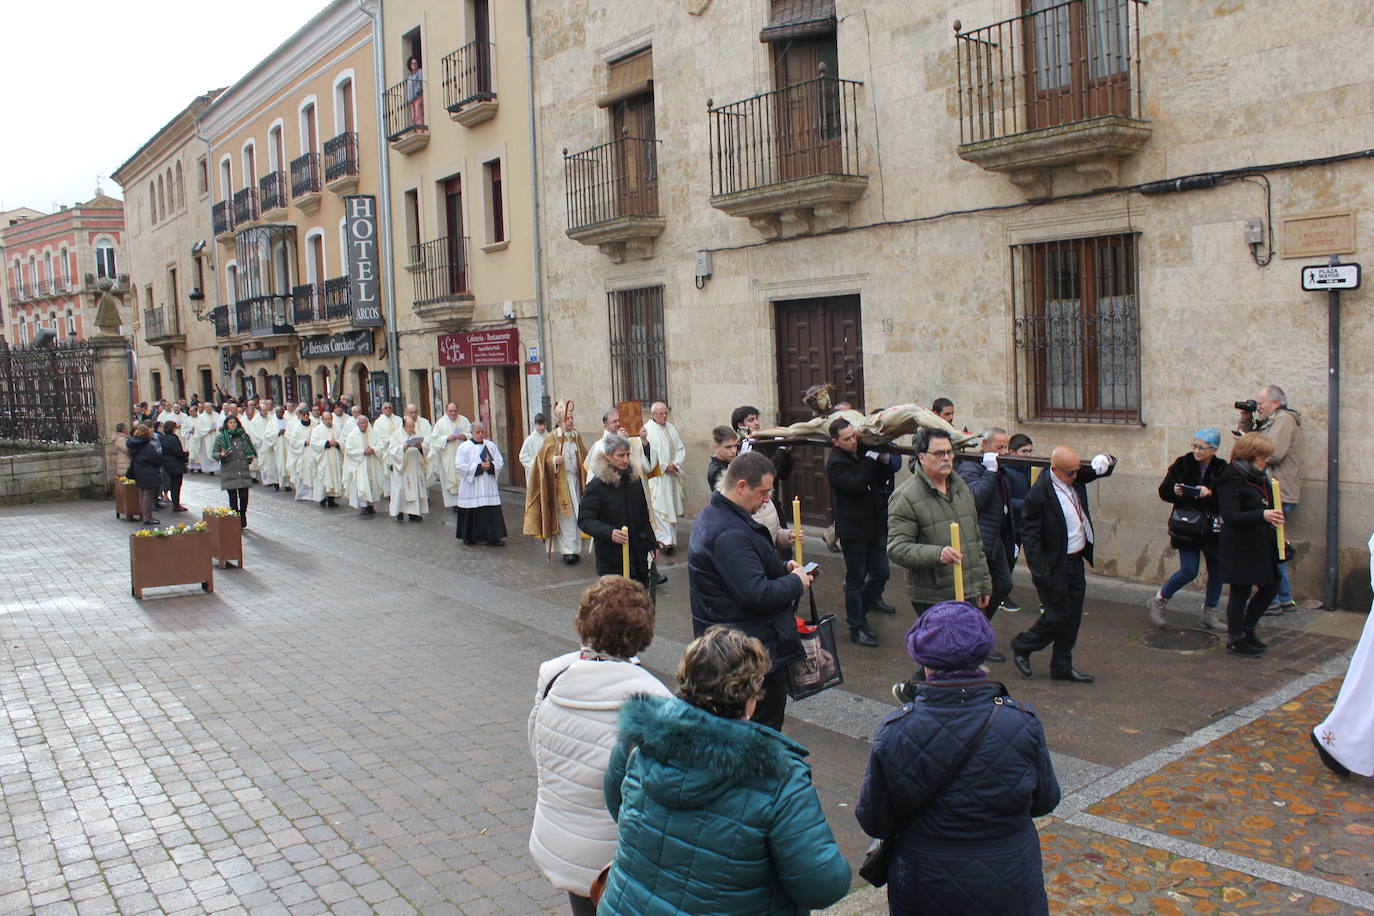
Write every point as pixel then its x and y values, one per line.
pixel 364 282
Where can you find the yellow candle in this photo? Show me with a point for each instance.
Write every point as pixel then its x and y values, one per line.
pixel 625 551
pixel 958 567
pixel 796 526
pixel 1278 532
pixel 1035 472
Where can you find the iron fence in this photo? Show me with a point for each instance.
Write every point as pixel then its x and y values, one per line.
pixel 442 268
pixel 272 191
pixel 222 217
pixel 797 132
pixel 341 156
pixel 47 394
pixel 245 205
pixel 619 178
pixel 243 316
pixel 467 75
pixel 405 109
pixel 1063 64
pixel 305 175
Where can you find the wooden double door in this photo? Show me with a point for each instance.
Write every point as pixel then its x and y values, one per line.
pixel 818 341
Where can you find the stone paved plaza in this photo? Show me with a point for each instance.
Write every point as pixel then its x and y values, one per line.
pixel 340 727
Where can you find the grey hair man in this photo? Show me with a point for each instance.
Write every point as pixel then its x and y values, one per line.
pixel 1280 424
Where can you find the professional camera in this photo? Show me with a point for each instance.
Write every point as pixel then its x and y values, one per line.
pixel 1250 406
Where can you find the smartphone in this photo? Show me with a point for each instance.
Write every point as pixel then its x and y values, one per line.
pixel 1189 489
pixel 811 568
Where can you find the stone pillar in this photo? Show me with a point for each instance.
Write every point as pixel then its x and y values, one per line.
pixel 111 368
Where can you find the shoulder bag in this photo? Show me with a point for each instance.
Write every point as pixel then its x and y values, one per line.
pixel 878 859
pixel 819 667
pixel 1188 523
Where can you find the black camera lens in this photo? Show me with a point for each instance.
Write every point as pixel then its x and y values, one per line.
pixel 1248 406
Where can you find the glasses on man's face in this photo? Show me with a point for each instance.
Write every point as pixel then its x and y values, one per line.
pixel 1203 447
pixel 942 453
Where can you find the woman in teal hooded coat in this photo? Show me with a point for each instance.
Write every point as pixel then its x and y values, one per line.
pixel 716 814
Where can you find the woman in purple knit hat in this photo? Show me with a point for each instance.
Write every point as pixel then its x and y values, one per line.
pixel 955 777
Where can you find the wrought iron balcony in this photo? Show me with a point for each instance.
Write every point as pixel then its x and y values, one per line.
pixel 245 206
pixel 243 316
pixel 611 192
pixel 272 191
pixel 338 300
pixel 222 218
pixel 788 160
pixel 267 315
pixel 221 317
pixel 439 268
pixel 1057 86
pixel 406 127
pixel 17 293
pixel 305 182
pixel 161 327
pixel 469 92
pixel 341 163
pixel 305 303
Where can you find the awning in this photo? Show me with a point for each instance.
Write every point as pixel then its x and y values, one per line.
pixel 796 18
pixel 629 77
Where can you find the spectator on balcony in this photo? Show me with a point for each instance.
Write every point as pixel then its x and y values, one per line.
pixel 415 91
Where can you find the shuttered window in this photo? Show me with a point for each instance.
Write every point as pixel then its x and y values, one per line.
pixel 628 77
pixel 796 18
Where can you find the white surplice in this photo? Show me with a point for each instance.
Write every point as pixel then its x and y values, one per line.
pixel 300 460
pixel 409 474
pixel 442 454
pixel 1348 732
pixel 476 489
pixel 256 428
pixel 207 431
pixel 363 473
pixel 328 460
pixel 386 426
pixel 665 447
pixel 530 451
pixel 568 532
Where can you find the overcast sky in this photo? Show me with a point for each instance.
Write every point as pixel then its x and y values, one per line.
pixel 87 83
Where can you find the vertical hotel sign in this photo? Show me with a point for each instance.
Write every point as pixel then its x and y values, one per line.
pixel 364 282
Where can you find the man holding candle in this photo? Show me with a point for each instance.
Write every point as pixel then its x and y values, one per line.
pixel 613 501
pixel 858 482
pixel 919 538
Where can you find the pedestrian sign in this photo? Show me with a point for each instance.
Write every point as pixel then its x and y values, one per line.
pixel 1324 277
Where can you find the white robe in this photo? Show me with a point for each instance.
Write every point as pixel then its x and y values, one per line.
pixel 257 434
pixel 666 447
pixel 363 473
pixel 328 460
pixel 207 430
pixel 477 490
pixel 300 460
pixel 190 439
pixel 272 452
pixel 409 475
pixel 386 427
pixel 568 532
pixel 442 454
pixel 1348 732
pixel 530 451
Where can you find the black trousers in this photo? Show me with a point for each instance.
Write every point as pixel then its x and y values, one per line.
pixel 174 488
pixel 771 708
pixel 999 567
pixel 238 500
pixel 866 571
pixel 1241 614
pixel 581 906
pixel 1058 625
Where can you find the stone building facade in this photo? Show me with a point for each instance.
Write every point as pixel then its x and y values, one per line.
pixel 173 293
pixel 1042 211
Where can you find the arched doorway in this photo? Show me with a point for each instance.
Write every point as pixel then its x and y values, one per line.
pixel 262 383
pixel 322 382
pixel 363 400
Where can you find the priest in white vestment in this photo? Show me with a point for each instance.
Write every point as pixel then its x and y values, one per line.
pixel 1345 740
pixel 328 454
pixel 478 462
pixel 207 431
pixel 447 434
pixel 363 470
pixel 666 455
pixel 190 438
pixel 300 460
pixel 254 425
pixel 530 450
pixel 422 426
pixel 408 449
pixel 555 486
pixel 386 424
pixel 350 421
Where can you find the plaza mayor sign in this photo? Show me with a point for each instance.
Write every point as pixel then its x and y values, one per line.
pixel 364 283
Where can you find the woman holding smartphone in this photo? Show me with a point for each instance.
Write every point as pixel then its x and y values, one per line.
pixel 1188 486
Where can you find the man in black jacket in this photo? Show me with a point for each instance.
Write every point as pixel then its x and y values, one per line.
pixel 738 579
pixel 859 484
pixel 613 500
pixel 992 496
pixel 1057 534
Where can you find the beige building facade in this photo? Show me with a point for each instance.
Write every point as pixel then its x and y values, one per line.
pixel 458 131
pixel 1084 222
pixel 170 256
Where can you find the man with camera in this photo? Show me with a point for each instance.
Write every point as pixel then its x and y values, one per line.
pixel 1269 415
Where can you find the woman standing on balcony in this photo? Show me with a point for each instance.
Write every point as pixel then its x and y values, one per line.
pixel 415 91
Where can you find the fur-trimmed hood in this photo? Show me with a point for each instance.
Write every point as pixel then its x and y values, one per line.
pixel 691 756
pixel 600 466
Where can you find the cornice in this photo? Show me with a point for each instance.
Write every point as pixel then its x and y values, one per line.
pixel 175 134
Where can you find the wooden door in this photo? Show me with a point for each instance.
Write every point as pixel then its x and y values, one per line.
pixel 633 124
pixel 346 103
pixel 1077 61
pixel 481 33
pixel 819 341
pixel 459 382
pixel 510 421
pixel 808 130
pixel 453 233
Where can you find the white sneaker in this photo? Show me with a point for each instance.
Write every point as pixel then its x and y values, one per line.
pixel 1156 606
pixel 1212 619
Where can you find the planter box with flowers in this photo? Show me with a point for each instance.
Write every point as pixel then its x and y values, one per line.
pixel 175 555
pixel 226 535
pixel 126 499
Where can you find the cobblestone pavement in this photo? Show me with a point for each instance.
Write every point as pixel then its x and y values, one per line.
pixel 339 728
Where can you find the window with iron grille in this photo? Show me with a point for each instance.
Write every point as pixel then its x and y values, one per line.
pixel 639 364
pixel 1077 330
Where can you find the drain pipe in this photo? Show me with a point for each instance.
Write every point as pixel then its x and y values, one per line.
pixel 393 338
pixel 534 214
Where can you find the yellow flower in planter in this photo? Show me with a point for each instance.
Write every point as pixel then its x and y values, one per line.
pixel 219 511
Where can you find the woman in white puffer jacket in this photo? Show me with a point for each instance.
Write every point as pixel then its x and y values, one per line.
pixel 573 728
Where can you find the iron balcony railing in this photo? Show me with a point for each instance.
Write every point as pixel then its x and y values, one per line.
pixel 801 131
pixel 221 316
pixel 337 300
pixel 615 179
pixel 17 293
pixel 272 191
pixel 268 315
pixel 341 156
pixel 245 206
pixel 440 269
pixel 1067 63
pixel 305 303
pixel 221 215
pixel 159 322
pixel 243 316
pixel 305 175
pixel 404 113
pixel 467 75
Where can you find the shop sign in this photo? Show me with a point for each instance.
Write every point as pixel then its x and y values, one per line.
pixel 258 353
pixel 360 227
pixel 345 343
pixel 498 347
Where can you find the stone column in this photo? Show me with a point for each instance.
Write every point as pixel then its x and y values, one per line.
pixel 110 366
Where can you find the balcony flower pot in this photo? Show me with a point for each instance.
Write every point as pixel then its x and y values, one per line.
pixel 226 536
pixel 157 559
pixel 126 500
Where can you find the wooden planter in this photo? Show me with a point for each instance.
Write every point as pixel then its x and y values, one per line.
pixel 126 501
pixel 182 559
pixel 226 539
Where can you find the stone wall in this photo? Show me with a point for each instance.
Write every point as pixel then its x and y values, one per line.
pixel 57 472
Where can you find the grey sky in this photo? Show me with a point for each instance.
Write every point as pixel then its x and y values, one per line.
pixel 88 83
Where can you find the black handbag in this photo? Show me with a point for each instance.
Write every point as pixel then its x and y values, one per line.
pixel 819 667
pixel 878 858
pixel 1188 524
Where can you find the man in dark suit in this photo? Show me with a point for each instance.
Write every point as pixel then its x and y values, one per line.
pixel 859 480
pixel 1057 536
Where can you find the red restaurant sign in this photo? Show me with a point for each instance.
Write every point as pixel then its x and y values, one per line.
pixel 499 347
